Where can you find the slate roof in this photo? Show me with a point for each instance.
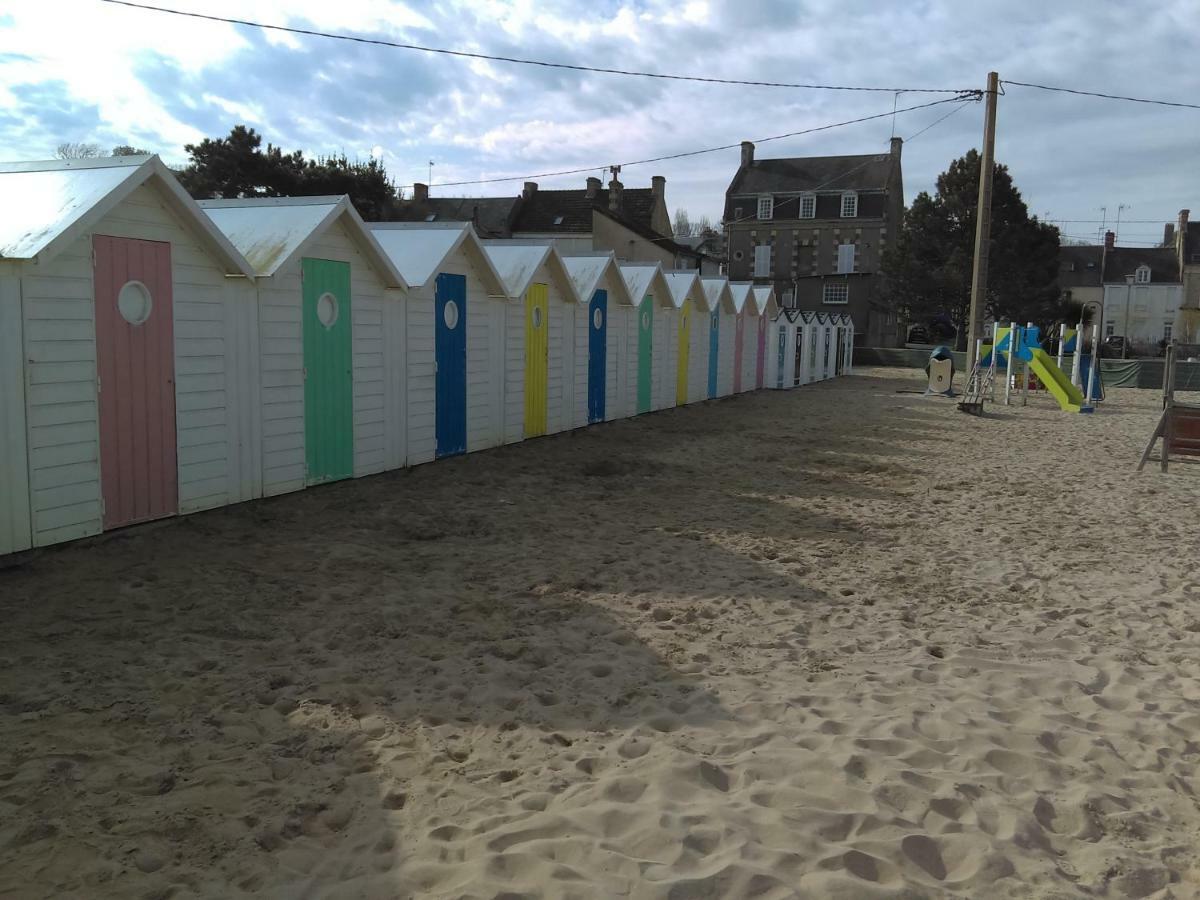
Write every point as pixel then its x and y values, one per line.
pixel 1080 266
pixel 491 215
pixel 1122 261
pixel 872 172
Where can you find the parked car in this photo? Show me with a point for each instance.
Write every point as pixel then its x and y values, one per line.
pixel 1113 346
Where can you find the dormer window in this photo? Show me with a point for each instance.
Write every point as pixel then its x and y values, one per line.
pixel 766 207
pixel 558 220
pixel 1142 275
pixel 849 205
pixel 808 206
pixel 431 217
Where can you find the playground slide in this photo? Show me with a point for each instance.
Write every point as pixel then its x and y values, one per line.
pixel 1057 383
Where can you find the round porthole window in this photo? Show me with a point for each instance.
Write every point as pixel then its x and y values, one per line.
pixel 450 315
pixel 327 309
pixel 646 321
pixel 133 302
pixel 536 316
pixel 597 319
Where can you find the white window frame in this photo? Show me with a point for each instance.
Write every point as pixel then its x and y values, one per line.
pixel 839 287
pixel 808 206
pixel 1168 328
pixel 1142 275
pixel 845 258
pixel 850 200
pixel 766 206
pixel 1110 328
pixel 762 261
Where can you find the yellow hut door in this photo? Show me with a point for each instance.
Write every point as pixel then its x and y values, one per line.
pixel 685 340
pixel 537 355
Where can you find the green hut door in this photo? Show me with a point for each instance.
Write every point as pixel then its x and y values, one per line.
pixel 328 384
pixel 645 352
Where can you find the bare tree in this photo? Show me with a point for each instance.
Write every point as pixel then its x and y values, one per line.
pixel 683 225
pixel 73 150
pixel 127 150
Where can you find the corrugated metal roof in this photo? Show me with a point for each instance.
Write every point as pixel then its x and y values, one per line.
pixel 684 286
pixel 741 291
pixel 269 231
pixel 38 204
pixel 46 205
pixel 418 250
pixel 717 290
pixel 764 299
pixel 589 269
pixel 639 280
pixel 518 264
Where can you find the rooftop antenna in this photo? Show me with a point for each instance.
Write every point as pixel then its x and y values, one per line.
pixel 1117 229
pixel 616 170
pixel 431 171
pixel 1103 223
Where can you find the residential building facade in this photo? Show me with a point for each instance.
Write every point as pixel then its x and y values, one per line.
pixel 1143 294
pixel 816 228
pixel 633 223
pixel 1184 236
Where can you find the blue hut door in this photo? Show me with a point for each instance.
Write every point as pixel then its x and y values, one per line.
pixel 597 354
pixel 450 364
pixel 714 348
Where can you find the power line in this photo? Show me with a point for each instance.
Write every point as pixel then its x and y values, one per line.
pixel 1109 221
pixel 638 162
pixel 1063 90
pixel 938 121
pixel 465 54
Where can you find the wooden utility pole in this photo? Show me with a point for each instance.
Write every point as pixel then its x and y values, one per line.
pixel 983 220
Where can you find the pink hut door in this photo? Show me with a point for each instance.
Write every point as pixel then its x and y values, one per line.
pixel 135 365
pixel 760 365
pixel 738 346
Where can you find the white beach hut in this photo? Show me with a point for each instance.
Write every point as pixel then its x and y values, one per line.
pixel 128 370
pixel 825 354
pixel 747 334
pixel 765 309
pixel 690 304
pixel 643 372
pixel 600 349
pixel 722 335
pixel 330 337
pixel 455 329
pixel 541 320
pixel 781 349
pixel 848 334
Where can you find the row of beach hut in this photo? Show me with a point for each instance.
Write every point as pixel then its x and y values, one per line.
pixel 160 356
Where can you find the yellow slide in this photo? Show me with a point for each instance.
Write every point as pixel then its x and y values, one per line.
pixel 1057 383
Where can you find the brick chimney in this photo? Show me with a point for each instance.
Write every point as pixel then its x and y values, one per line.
pixel 593 187
pixel 747 154
pixel 897 146
pixel 529 190
pixel 614 195
pixel 1183 220
pixel 1110 240
pixel 658 185
pixel 420 192
pixel 1169 235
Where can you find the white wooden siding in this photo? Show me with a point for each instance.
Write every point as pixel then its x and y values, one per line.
pixel 570 369
pixel 497 361
pixel 395 396
pixel 668 321
pixel 15 527
pixel 555 357
pixel 482 369
pixel 281 342
pixel 422 397
pixel 659 354
pixel 631 360
pixel 698 356
pixel 582 330
pixel 615 402
pixel 726 340
pixel 514 372
pixel 749 350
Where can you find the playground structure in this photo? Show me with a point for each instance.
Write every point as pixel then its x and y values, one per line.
pixel 1012 344
pixel 1179 424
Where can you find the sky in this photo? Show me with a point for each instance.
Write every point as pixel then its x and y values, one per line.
pixel 88 71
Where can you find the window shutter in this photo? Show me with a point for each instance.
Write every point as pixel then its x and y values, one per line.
pixel 762 260
pixel 845 263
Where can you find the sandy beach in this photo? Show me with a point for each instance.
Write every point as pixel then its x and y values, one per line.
pixel 837 642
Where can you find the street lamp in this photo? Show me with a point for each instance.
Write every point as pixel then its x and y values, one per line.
pixel 1128 303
